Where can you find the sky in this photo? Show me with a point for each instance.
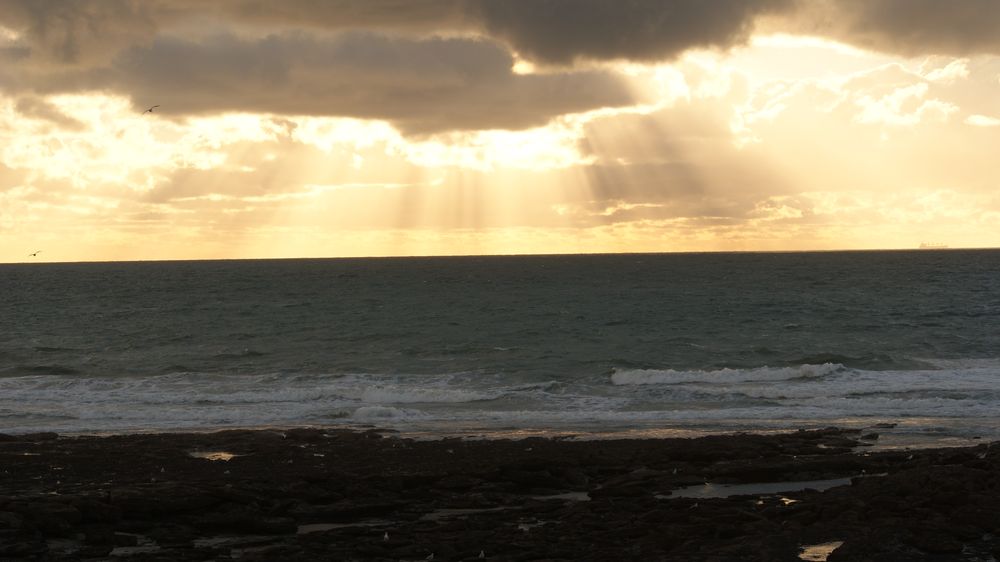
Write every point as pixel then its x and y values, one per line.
pixel 326 128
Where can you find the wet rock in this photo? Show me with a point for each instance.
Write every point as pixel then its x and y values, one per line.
pixel 627 489
pixel 41 436
pixel 124 539
pixel 95 550
pixel 173 535
pixel 345 510
pixel 93 510
pixel 97 534
pixel 53 518
pixel 457 482
pixel 245 520
pixel 880 545
pixel 575 477
pixel 10 520
pixel 16 546
pixel 361 485
pixel 157 500
pixel 305 434
pixel 529 480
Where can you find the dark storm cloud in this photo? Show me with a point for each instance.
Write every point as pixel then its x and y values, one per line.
pixel 86 32
pixel 77 32
pixel 561 31
pixel 401 60
pixel 420 85
pixel 433 15
pixel 551 31
pixel 89 31
pixel 908 27
pixel 554 31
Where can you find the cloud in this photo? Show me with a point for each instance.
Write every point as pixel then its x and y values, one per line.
pixel 557 31
pixel 74 33
pixel 421 86
pixel 982 121
pixel 411 15
pixel 35 107
pixel 10 178
pixel 905 106
pixel 907 27
pixel 561 31
pixel 950 73
pixel 89 32
pixel 251 137
pixel 426 66
pixel 196 57
pixel 885 129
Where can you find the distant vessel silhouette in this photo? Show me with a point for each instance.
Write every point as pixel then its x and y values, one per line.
pixel 932 246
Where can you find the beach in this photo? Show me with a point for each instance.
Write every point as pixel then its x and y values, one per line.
pixel 333 494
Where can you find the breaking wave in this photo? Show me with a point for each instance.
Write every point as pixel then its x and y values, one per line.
pixel 403 395
pixel 724 376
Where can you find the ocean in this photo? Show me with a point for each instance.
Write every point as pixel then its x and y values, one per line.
pixel 594 345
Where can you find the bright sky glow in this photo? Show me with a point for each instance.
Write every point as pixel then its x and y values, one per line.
pixel 789 142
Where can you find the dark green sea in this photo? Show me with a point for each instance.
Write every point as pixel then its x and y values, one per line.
pixel 591 344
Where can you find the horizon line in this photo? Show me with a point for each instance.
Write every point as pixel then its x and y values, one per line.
pixel 539 255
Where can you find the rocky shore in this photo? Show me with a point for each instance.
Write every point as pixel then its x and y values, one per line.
pixel 314 494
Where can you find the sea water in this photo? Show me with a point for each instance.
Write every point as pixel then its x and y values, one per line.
pixel 587 344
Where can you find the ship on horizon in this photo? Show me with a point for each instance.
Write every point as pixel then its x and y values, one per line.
pixel 933 246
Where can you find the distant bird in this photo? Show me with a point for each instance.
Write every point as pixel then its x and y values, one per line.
pixel 150 110
pixel 35 253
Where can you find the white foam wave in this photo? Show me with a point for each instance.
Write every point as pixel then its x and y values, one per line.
pixel 404 395
pixel 962 364
pixel 847 383
pixel 760 397
pixel 670 376
pixel 817 411
pixel 382 413
pixel 175 388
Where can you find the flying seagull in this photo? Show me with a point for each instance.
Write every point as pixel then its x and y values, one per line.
pixel 150 110
pixel 35 253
